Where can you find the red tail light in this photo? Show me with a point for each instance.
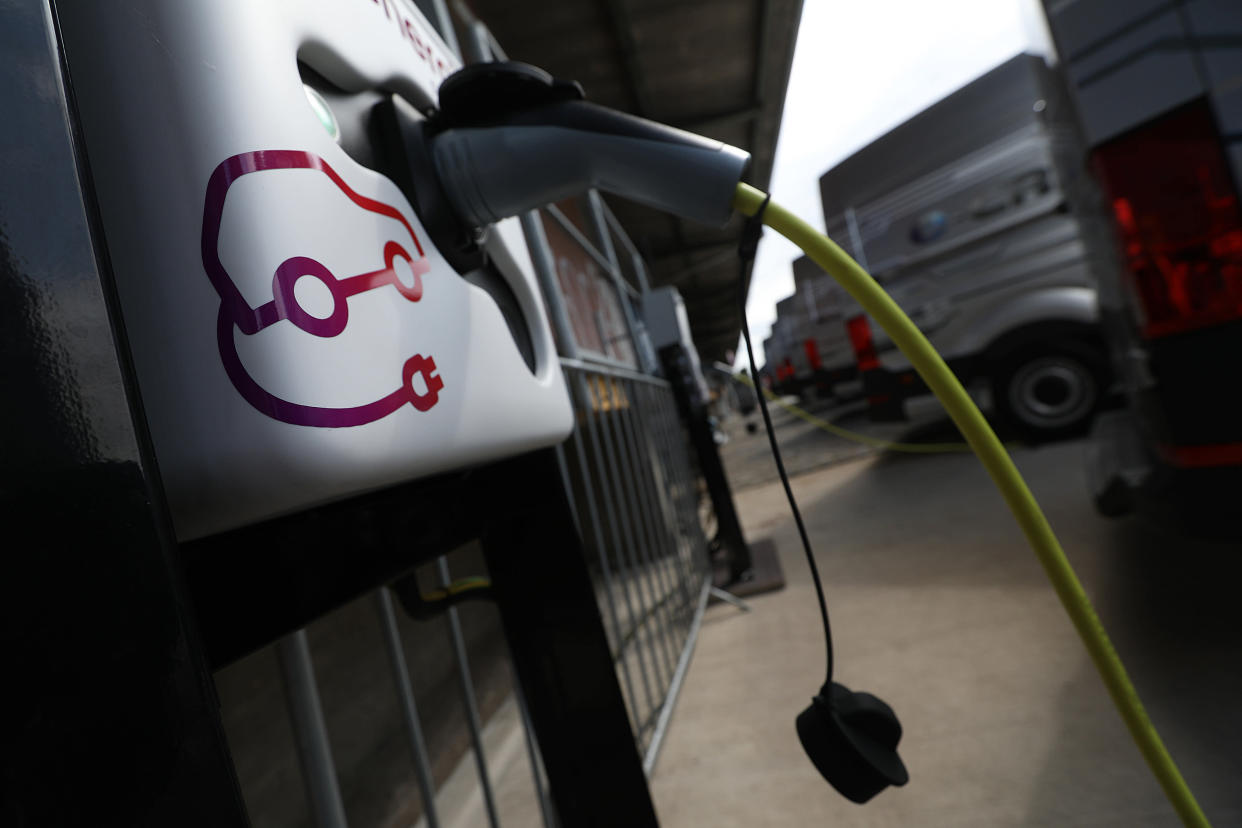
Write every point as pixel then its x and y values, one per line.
pixel 1178 217
pixel 859 330
pixel 812 354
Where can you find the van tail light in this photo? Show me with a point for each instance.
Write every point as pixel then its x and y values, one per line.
pixel 1178 217
pixel 812 354
pixel 859 330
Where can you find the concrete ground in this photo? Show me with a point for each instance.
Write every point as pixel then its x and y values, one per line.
pixel 939 608
pixel 748 460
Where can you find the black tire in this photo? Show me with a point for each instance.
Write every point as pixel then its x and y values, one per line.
pixel 1049 391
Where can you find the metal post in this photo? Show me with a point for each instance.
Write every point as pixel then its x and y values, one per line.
pixel 532 756
pixel 627 504
pixel 445 24
pixel 547 604
pixel 599 224
pixel 409 710
pixel 545 271
pixel 468 698
pixel 563 465
pixel 480 43
pixel 672 558
pixel 309 731
pixel 110 715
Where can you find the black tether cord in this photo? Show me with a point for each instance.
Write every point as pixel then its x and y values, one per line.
pixel 746 252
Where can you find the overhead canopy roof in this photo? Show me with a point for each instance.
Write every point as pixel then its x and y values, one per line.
pixel 716 67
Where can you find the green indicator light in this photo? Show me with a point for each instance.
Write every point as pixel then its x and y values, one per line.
pixel 323 112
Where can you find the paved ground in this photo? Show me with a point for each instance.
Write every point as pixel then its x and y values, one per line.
pixel 805 447
pixel 939 608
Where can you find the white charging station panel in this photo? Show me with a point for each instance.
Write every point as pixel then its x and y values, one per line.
pixel 296 337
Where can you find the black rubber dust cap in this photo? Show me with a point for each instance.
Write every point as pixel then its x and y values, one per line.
pixel 852 740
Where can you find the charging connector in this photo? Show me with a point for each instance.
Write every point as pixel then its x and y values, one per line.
pixel 509 137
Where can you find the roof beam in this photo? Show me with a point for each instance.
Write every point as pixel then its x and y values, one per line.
pixel 761 48
pixel 623 30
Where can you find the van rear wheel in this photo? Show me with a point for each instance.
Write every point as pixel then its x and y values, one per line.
pixel 1049 391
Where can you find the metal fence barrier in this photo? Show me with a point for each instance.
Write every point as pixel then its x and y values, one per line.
pixel 316 759
pixel 637 501
pixel 637 505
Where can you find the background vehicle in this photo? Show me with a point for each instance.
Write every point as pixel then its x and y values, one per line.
pixel 1158 91
pixel 969 214
pixel 778 351
pixel 812 343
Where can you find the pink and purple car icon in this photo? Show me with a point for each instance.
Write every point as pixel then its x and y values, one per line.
pixel 236 312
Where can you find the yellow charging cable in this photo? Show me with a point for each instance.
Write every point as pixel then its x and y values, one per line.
pixel 867 292
pixel 461 586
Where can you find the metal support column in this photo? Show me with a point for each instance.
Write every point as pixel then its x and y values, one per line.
pixel 560 652
pixel 110 715
pixel 409 710
pixel 545 271
pixel 473 722
pixel 693 412
pixel 596 212
pixel 309 731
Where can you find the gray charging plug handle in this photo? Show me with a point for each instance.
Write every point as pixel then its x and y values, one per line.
pixel 538 157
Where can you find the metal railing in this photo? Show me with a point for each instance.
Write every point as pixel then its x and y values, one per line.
pixel 627 467
pixel 314 750
pixel 637 506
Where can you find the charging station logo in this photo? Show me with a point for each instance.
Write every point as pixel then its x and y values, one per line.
pixel 284 307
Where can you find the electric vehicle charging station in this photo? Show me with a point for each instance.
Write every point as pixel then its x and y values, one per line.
pixel 321 381
pixel 573 710
pixel 345 352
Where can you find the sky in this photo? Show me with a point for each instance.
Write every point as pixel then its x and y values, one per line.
pixel 860 69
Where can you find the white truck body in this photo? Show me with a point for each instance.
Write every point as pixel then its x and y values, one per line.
pixel 969 215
